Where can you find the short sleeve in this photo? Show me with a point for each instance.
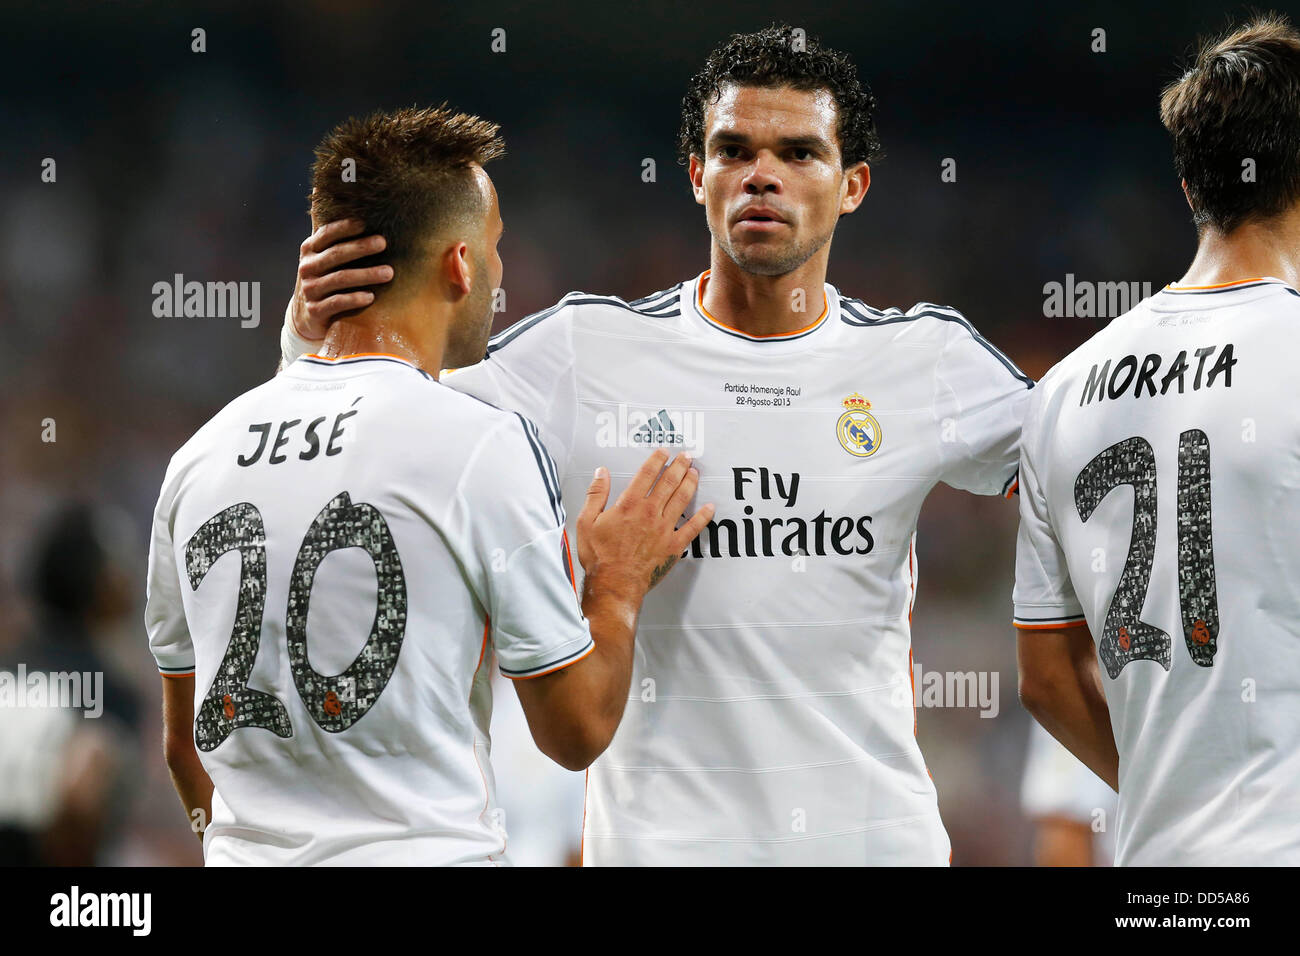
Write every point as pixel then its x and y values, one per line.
pixel 164 615
pixel 979 406
pixel 1044 596
pixel 510 496
pixel 529 369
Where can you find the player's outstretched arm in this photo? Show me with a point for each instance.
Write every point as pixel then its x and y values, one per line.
pixel 324 287
pixel 625 550
pixel 193 785
pixel 1060 684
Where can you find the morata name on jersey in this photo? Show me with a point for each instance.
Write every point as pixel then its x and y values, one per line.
pixel 1111 381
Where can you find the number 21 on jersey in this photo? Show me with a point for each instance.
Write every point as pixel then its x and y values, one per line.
pixel 1126 638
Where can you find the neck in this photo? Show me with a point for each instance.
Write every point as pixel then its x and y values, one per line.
pixel 404 330
pixel 765 305
pixel 1252 250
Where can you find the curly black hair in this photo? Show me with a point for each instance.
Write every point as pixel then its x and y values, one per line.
pixel 777 56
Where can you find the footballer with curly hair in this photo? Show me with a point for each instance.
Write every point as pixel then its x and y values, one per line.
pixel 771 719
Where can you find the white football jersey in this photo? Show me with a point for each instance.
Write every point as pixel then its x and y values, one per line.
pixel 1160 503
pixel 335 557
pixel 770 718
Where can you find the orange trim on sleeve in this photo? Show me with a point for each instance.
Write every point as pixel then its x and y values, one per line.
pixel 186 674
pixel 557 667
pixel 1049 627
pixel 1012 490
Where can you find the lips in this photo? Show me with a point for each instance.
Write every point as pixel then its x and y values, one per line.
pixel 760 214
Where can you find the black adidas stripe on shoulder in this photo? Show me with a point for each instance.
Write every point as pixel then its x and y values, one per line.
pixel 660 305
pixel 655 298
pixel 659 309
pixel 506 336
pixel 855 312
pixel 668 307
pixel 657 301
pixel 546 466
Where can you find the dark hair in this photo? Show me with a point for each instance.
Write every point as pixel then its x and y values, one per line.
pixel 777 56
pixel 1241 100
pixel 411 177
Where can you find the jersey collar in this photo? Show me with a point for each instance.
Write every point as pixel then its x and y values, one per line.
pixel 358 358
pixel 696 292
pixel 1223 287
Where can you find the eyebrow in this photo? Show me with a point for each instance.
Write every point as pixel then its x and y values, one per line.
pixel 741 139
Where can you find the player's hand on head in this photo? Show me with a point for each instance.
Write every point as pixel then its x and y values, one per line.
pixel 635 543
pixel 324 288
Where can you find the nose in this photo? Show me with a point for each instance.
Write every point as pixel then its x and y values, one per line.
pixel 762 177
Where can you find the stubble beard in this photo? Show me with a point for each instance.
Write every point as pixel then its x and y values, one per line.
pixel 763 260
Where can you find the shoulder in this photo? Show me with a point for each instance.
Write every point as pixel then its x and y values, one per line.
pixel 237 409
pixel 1059 388
pixel 927 315
pixel 576 308
pixel 507 448
pixel 490 426
pixel 925 321
pixel 474 423
pixel 926 325
pixel 1080 360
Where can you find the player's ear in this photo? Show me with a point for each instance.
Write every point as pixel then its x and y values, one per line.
pixel 857 180
pixel 1187 195
pixel 456 268
pixel 695 170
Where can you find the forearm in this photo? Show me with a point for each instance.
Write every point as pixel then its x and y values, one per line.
pixel 625 550
pixel 193 786
pixel 1084 732
pixel 1065 695
pixel 612 610
pixel 192 783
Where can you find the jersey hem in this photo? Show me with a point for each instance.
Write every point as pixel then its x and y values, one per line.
pixel 543 669
pixel 174 670
pixel 1048 623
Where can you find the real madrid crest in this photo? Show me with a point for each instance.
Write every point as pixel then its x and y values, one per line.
pixel 857 429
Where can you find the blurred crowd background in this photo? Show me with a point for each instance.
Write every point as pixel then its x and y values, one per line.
pixel 173 161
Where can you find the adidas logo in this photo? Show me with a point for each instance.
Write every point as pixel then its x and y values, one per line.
pixel 633 427
pixel 659 430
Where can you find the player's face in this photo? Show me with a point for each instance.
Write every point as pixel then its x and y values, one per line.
pixel 771 179
pixel 467 342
